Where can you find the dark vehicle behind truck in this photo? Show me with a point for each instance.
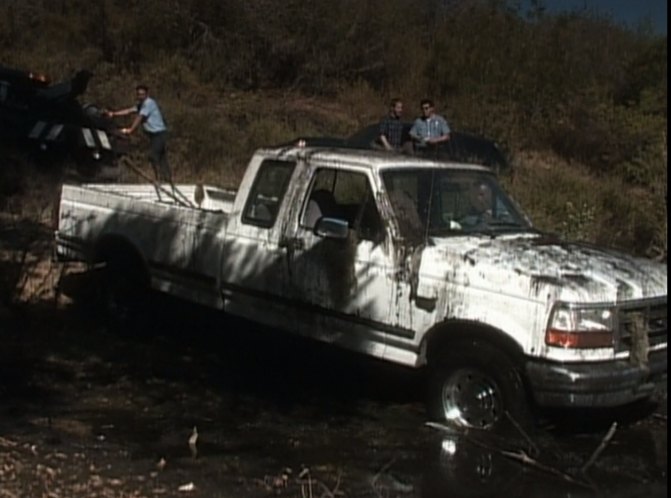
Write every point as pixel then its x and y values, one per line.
pixel 49 120
pixel 462 147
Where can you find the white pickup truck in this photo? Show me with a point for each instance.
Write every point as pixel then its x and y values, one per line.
pixel 417 262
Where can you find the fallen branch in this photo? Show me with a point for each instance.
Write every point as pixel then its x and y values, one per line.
pixel 383 483
pixel 471 436
pixel 522 457
pixel 336 489
pixel 384 468
pixel 519 456
pixel 373 484
pixel 450 429
pixel 309 481
pixel 302 484
pixel 534 447
pixel 326 492
pixel 604 442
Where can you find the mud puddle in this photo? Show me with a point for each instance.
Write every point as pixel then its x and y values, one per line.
pixel 84 412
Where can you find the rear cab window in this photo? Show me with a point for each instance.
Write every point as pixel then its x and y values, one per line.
pixel 267 192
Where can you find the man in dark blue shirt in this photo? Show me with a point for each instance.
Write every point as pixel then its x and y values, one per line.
pixel 391 127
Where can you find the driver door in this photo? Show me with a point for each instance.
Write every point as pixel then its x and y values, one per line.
pixel 345 284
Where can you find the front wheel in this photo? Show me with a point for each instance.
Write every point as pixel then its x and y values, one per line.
pixel 475 385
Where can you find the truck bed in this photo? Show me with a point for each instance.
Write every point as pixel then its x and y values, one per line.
pixel 177 241
pixel 215 199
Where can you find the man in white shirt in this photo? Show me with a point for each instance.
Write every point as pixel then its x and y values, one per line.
pixel 430 128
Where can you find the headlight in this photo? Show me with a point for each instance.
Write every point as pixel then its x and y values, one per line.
pixel 572 326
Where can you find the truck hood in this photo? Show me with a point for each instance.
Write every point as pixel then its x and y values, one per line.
pixel 541 268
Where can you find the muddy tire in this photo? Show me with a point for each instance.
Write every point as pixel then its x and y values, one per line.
pixel 475 385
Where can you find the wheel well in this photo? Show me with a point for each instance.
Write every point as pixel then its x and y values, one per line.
pixel 466 331
pixel 120 252
pixel 438 338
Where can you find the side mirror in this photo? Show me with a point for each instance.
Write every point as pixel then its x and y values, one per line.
pixel 332 228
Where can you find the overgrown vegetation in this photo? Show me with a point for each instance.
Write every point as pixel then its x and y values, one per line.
pixel 579 102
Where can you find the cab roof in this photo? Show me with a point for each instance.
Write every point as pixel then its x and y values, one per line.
pixel 371 159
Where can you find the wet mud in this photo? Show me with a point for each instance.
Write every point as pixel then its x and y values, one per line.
pixel 190 403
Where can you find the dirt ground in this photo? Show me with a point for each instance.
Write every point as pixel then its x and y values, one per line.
pixel 206 406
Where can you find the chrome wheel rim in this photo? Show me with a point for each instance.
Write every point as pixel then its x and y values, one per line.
pixel 471 398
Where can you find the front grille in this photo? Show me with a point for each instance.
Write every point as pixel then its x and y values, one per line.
pixel 638 317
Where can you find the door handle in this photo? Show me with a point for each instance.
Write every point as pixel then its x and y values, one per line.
pixel 292 244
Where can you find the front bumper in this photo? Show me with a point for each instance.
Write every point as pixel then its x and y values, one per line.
pixel 602 384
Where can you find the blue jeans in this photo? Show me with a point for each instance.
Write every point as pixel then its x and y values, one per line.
pixel 158 156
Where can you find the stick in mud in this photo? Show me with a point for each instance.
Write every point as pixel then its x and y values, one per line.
pixel 519 456
pixel 602 446
pixel 527 460
pixel 533 446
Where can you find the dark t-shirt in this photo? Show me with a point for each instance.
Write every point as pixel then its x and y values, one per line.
pixel 392 128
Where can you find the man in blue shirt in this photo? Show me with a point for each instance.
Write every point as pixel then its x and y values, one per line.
pixel 430 128
pixel 149 116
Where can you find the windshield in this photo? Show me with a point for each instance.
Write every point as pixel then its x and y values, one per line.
pixel 441 202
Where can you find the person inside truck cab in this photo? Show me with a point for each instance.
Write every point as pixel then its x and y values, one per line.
pixel 480 205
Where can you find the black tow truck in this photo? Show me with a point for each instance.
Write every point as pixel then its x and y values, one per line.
pixel 49 120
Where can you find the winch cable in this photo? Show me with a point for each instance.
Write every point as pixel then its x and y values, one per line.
pixel 176 194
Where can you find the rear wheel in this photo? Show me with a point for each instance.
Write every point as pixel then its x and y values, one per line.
pixel 123 293
pixel 475 385
pixel 120 297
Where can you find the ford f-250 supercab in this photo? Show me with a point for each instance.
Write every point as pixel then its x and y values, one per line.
pixel 417 262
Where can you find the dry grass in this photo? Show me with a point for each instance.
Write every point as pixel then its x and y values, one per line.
pixel 566 198
pixel 214 135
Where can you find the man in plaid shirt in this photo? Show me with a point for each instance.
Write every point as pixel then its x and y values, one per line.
pixel 391 127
